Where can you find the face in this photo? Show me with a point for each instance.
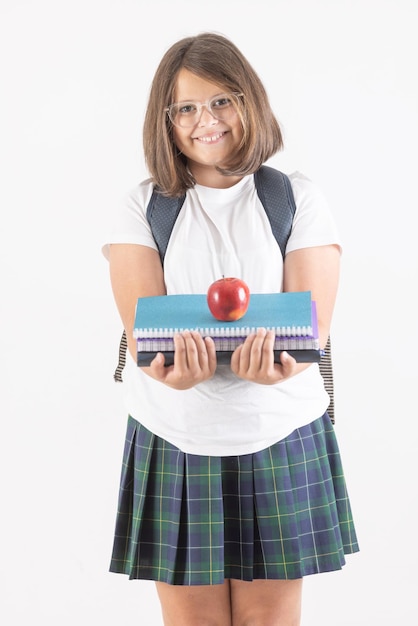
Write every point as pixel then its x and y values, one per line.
pixel 210 141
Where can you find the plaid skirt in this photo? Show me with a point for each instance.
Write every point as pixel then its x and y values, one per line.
pixel 185 519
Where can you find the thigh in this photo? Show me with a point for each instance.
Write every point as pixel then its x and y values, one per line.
pixel 266 602
pixel 195 605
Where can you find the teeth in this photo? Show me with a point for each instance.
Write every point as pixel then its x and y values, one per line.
pixel 212 138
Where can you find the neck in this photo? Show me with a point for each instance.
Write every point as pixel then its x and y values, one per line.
pixel 208 176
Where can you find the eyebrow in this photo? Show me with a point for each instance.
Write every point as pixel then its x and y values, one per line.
pixel 221 93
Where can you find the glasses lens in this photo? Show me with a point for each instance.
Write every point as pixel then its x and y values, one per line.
pixel 223 107
pixel 187 114
pixel 184 114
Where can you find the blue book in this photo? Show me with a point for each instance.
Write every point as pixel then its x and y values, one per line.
pixel 292 316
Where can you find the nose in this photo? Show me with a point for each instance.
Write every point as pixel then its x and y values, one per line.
pixel 206 117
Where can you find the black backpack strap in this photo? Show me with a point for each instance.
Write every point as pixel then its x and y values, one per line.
pixel 162 213
pixel 276 195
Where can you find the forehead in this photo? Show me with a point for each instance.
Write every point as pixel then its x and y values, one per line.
pixel 189 86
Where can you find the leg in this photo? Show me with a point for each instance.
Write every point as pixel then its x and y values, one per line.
pixel 266 602
pixel 197 605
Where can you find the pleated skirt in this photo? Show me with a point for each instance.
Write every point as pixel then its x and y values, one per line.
pixel 281 513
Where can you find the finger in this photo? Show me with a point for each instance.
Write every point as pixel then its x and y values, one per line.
pixel 197 351
pixel 243 353
pixel 235 359
pixel 180 350
pixel 257 351
pixel 266 364
pixel 288 364
pixel 211 352
pixel 157 367
pixel 158 361
pixel 254 359
pixel 201 353
pixel 193 351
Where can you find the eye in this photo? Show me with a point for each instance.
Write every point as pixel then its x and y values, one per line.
pixel 187 108
pixel 221 102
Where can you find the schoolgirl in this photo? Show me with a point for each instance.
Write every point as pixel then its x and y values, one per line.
pixel 232 488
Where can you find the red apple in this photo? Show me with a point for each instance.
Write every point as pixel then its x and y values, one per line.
pixel 228 299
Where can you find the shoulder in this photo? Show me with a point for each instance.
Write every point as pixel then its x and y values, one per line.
pixel 129 221
pixel 306 192
pixel 137 197
pixel 314 223
pixel 302 183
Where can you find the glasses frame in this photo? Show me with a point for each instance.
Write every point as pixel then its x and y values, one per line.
pixel 199 106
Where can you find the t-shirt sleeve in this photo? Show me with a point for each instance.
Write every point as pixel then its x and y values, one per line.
pixel 130 224
pixel 313 224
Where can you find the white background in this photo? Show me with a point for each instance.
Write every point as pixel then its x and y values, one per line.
pixel 342 77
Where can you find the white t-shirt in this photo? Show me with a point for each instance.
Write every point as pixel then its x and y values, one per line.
pixel 225 232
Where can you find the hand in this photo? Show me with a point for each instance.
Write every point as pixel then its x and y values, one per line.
pixel 254 360
pixel 194 361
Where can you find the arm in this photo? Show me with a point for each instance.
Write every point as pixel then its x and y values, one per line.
pixel 317 270
pixel 313 269
pixel 136 271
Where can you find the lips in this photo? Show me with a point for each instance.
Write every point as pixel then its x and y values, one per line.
pixel 210 138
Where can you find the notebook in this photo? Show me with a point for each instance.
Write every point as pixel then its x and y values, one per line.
pixel 292 316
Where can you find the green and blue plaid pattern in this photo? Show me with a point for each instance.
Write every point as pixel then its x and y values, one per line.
pixel 185 519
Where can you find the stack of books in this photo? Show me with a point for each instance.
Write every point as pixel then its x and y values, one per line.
pixel 292 316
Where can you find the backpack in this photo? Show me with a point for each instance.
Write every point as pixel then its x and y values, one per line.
pixel 276 195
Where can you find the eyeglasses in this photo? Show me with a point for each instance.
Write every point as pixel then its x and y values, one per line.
pixel 187 114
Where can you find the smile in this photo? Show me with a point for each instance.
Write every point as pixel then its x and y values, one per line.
pixel 210 139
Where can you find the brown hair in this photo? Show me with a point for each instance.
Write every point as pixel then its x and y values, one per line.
pixel 218 60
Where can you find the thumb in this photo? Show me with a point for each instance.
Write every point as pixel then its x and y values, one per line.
pixel 157 364
pixel 287 362
pixel 285 357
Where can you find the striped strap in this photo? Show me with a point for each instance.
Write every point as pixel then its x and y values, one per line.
pixel 123 347
pixel 325 366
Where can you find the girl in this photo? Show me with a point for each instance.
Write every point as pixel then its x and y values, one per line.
pixel 232 488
